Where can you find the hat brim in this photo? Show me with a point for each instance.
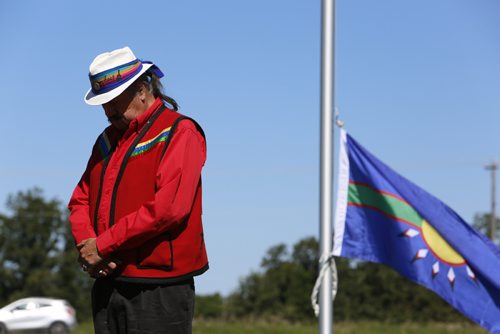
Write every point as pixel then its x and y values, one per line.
pixel 98 99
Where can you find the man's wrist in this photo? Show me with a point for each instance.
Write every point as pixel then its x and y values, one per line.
pixel 104 245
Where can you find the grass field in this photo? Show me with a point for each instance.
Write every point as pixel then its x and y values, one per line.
pixel 218 327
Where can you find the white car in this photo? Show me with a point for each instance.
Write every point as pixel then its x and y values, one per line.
pixel 55 315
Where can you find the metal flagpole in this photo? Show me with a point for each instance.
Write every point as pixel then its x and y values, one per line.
pixel 326 160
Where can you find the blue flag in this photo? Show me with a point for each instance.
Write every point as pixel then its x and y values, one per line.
pixel 383 217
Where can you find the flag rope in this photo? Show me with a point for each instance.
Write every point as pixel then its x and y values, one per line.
pixel 329 262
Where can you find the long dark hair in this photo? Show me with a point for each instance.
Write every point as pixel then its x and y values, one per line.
pixel 156 89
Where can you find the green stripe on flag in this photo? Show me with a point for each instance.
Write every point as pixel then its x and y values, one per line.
pixel 389 205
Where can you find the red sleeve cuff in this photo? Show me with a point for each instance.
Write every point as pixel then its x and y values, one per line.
pixel 105 244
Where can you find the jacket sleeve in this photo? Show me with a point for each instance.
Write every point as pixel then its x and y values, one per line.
pixel 177 181
pixel 79 216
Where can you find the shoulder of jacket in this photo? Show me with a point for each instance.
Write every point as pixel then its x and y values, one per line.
pixel 187 123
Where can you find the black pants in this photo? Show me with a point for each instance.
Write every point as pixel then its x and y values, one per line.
pixel 133 308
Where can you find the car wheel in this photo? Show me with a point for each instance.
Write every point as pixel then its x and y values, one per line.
pixel 58 328
pixel 3 330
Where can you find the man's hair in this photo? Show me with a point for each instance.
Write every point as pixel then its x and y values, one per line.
pixel 156 88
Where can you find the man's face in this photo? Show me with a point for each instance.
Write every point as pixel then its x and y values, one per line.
pixel 123 108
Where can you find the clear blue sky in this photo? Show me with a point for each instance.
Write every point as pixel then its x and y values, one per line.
pixel 417 83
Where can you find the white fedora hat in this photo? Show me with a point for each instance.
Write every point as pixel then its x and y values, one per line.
pixel 112 72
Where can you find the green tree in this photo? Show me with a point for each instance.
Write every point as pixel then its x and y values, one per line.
pixel 274 257
pixel 30 239
pixel 243 302
pixel 76 283
pixel 366 291
pixel 209 306
pixel 371 291
pixel 306 254
pixel 37 256
pixel 482 223
pixel 283 286
pixel 305 257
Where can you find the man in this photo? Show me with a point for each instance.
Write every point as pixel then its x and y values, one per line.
pixel 136 212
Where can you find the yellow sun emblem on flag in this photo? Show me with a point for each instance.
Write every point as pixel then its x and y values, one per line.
pixel 396 208
pixel 440 248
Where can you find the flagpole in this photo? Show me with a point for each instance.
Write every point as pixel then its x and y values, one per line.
pixel 326 160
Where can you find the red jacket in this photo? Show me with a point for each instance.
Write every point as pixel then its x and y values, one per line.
pixel 141 197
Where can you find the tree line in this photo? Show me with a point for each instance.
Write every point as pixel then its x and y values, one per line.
pixel 282 287
pixel 37 258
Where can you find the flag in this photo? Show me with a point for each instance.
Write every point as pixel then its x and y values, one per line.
pixel 383 217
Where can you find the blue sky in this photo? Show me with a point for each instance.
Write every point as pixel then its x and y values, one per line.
pixel 417 83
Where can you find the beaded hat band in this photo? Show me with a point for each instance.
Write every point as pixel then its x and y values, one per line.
pixel 113 72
